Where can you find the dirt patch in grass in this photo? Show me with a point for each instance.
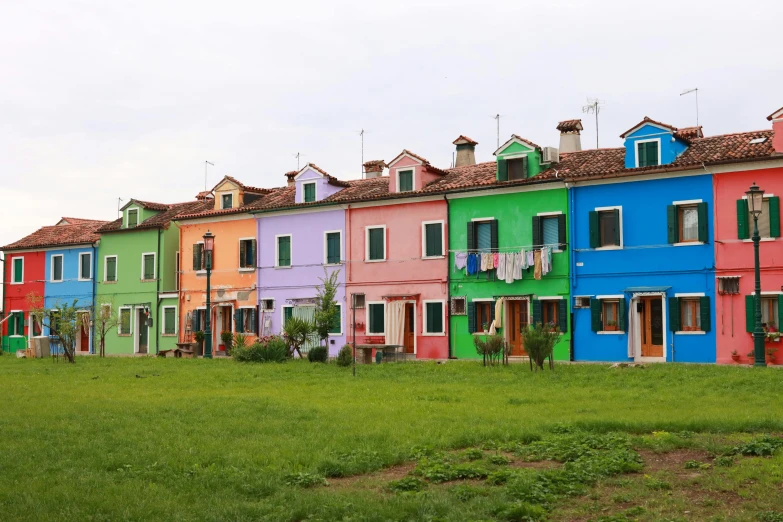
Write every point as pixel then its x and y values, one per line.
pixel 538 464
pixel 673 461
pixel 374 480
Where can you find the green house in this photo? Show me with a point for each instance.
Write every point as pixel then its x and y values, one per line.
pixel 138 264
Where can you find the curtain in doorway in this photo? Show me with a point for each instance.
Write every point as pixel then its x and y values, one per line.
pixel 395 322
pixel 633 329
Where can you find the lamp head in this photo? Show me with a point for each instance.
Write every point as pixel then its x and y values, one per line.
pixel 209 241
pixel 755 200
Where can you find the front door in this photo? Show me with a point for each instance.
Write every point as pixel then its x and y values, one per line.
pixel 410 328
pixel 516 321
pixel 84 334
pixel 143 330
pixel 651 321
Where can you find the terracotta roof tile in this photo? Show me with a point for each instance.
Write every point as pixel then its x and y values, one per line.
pixel 160 220
pixel 464 139
pixel 425 161
pixel 570 126
pixel 689 133
pixel 80 232
pixel 149 204
pixel 645 121
pixel 331 179
pixel 291 174
pixel 246 188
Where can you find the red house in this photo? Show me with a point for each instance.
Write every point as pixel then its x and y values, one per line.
pixel 23 275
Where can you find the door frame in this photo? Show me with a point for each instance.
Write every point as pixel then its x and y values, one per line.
pixel 89 334
pixel 213 323
pixel 638 327
pixel 506 314
pixel 415 325
pixel 135 328
pixel 415 320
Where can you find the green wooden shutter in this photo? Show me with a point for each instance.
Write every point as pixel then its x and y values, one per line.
pixel 703 222
pixel 502 170
pixel 493 235
pixel 242 254
pixel 149 267
pixel 780 311
pixel 376 243
pixel 525 166
pixel 622 319
pixel 333 248
pixel 335 329
pixel 471 317
pixel 194 326
pixel 251 254
pixel 434 318
pixel 18 270
pixel 536 311
pixel 750 313
pixel 471 236
pixel 536 231
pixel 671 221
pixel 561 231
pixel 774 216
pixel 562 315
pixel 674 314
pixel 704 310
pixel 288 313
pixel 309 192
pixel 641 152
pixel 433 239
pixel 596 309
pixel 11 324
pixel 197 262
pixel 616 214
pixel 743 226
pixel 169 318
pixel 284 251
pixel 595 229
pixel 239 326
pixel 491 313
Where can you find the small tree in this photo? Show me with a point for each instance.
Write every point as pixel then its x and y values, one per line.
pixel 326 311
pixel 65 324
pixel 106 319
pixel 539 342
pixel 492 348
pixel 297 332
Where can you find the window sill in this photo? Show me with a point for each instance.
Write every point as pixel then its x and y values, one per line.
pixel 19 283
pixel 762 240
pixel 247 269
pixel 338 334
pixel 84 280
pixel 333 264
pixel 110 282
pixel 124 335
pixel 283 267
pixel 58 281
pixel 375 334
pixel 610 332
pixel 609 247
pixel 424 258
pixel 168 335
pixel 374 260
pixel 690 333
pixel 427 334
pixel 689 243
pixel 147 280
pixel 201 272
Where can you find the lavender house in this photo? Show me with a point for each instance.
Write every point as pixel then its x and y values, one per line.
pixel 299 236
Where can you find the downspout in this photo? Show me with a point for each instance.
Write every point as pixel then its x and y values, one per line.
pixel 572 266
pixel 448 274
pixel 156 326
pixel 94 294
pixel 4 308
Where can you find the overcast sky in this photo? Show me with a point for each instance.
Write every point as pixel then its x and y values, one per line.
pixel 108 99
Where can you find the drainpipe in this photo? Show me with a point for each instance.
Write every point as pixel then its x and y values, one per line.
pixel 4 307
pixel 157 297
pixel 448 274
pixel 572 266
pixel 94 294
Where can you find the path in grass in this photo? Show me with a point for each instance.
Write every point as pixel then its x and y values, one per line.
pixel 147 439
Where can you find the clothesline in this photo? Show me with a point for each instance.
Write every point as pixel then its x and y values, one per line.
pixel 507 248
pixel 507 266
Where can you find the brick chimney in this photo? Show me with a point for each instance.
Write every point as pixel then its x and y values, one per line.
pixel 374 169
pixel 570 137
pixel 466 151
pixel 290 178
pixel 777 126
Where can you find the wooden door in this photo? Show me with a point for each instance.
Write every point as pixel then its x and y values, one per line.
pixel 143 331
pixel 410 328
pixel 651 321
pixel 516 320
pixel 84 334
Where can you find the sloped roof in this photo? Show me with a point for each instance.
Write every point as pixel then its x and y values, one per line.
pixel 645 121
pixel 149 205
pixel 331 179
pixel 80 232
pixel 161 220
pixel 689 133
pixel 464 139
pixel 515 137
pixel 777 114
pixel 570 126
pixel 246 188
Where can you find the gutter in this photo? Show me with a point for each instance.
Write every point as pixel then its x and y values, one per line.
pixel 156 326
pixel 94 293
pixel 448 276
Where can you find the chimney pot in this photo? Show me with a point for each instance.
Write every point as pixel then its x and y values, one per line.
pixel 466 151
pixel 570 135
pixel 290 178
pixel 374 168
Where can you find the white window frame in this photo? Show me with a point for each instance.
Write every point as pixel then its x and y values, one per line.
pixel 326 247
pixel 277 250
pixel 367 307
pixel 51 268
pixel 686 202
pixel 606 209
pixel 163 321
pixel 13 270
pixel 127 215
pixel 79 277
pixel 154 265
pixel 261 304
pixel 119 321
pixel 304 184
pixel 239 249
pixel 424 317
pixel 116 268
pixel 367 244
pixel 399 170
pixel 340 333
pixel 636 150
pixel 618 298
pixel 442 224
pixel 282 315
pixel 222 204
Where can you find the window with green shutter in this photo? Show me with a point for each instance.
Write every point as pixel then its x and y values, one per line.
pixel 483 240
pixel 406 180
pixel 517 168
pixel 227 201
pixel 604 228
pixel 133 217
pixel 309 192
pixel 198 257
pixel 125 321
pixel 647 153
pixel 338 321
pixel 111 269
pixel 288 313
pixel 375 321
pixel 148 264
pixel 433 240
pixel 376 244
pixel 57 268
pixel 434 322
pixel 284 251
pixel 333 248
pixel 169 320
pixel 689 314
pixel 247 253
pixel 18 270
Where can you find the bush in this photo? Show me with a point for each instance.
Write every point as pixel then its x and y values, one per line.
pixel 273 350
pixel 491 349
pixel 407 485
pixel 345 356
pixel 539 342
pixel 318 354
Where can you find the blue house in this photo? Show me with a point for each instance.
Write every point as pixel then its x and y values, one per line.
pixel 643 276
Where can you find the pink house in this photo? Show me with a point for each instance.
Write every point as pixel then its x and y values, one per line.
pixel 734 262
pixel 399 261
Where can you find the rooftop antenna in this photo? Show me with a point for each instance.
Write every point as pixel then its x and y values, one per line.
pixel 297 156
pixel 361 134
pixel 497 118
pixel 205 173
pixel 119 206
pixel 593 106
pixel 694 90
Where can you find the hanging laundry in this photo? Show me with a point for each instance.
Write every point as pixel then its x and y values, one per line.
pixel 537 265
pixel 525 264
pixel 509 267
pixel 471 264
pixel 498 322
pixel 460 260
pixel 518 265
pixel 546 260
pixel 484 262
pixel 501 266
pixel 530 258
pixel 494 260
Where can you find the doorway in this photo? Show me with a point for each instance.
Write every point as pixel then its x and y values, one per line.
pixel 650 310
pixel 83 334
pixel 142 330
pixel 409 334
pixel 517 318
pixel 223 320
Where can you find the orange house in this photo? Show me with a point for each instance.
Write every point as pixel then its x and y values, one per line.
pixel 233 296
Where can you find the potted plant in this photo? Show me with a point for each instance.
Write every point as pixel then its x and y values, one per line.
pixel 199 338
pixel 770 353
pixel 751 355
pixel 485 326
pixel 735 356
pixel 228 339
pixel 611 326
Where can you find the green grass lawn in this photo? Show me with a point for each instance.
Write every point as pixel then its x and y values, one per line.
pixel 163 439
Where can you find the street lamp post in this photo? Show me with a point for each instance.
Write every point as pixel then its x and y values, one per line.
pixel 755 202
pixel 209 244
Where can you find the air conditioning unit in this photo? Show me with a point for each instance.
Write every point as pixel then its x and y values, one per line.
pixel 581 301
pixel 551 155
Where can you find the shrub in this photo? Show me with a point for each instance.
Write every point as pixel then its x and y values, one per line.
pixel 318 354
pixel 763 446
pixel 345 356
pixel 240 341
pixel 407 485
pixel 228 340
pixel 539 342
pixel 492 349
pixel 274 350
pixel 297 332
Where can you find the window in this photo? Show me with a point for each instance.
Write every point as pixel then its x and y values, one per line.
pixel 375 318
pixel 198 320
pixel 54 322
pixel 124 326
pixel 768 221
pixel 728 285
pixel 554 310
pixel 169 320
pixel 484 315
pixel 769 312
pixel 133 217
pixel 647 153
pixel 199 261
pixel 691 315
pixel 549 312
pixel 245 319
pixel 433 318
pixel 57 269
pixel 148 267
pixel 332 246
pixel 687 222
pixel 110 269
pixel 309 192
pixel 337 326
pixel 18 270
pixel 517 168
pixel 610 316
pixel 482 235
pixel 36 321
pixel 581 301
pixel 283 248
pixel 405 180
pixel 459 306
pixel 549 230
pixel 247 253
pixel 432 240
pixel 227 201
pixel 85 266
pixel 267 305
pixel 376 243
pixel 358 300
pixel 16 324
pixel 605 228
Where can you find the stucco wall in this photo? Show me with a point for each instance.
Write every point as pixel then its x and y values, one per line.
pixel 15 295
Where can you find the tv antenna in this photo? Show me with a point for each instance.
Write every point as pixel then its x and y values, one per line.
pixel 497 118
pixel 298 155
pixel 119 206
pixel 361 134
pixel 593 107
pixel 696 91
pixel 206 163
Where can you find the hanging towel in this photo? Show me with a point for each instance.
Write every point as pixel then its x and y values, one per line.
pixel 537 265
pixel 494 260
pixel 546 260
pixel 530 258
pixel 471 265
pixel 460 260
pixel 484 262
pixel 518 265
pixel 501 265
pixel 509 267
pixel 498 322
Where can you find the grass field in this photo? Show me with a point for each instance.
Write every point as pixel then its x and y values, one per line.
pixel 163 439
